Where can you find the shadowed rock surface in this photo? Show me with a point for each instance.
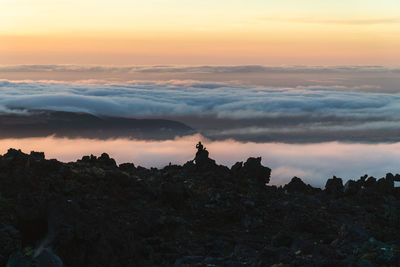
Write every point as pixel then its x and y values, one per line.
pixel 93 212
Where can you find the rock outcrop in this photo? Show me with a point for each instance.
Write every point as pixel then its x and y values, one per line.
pixel 95 213
pixel 334 186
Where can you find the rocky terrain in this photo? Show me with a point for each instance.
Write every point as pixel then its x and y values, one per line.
pixel 95 213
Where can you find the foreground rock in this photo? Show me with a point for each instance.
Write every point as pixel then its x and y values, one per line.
pixel 95 213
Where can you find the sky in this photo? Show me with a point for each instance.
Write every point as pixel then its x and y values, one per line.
pixel 213 32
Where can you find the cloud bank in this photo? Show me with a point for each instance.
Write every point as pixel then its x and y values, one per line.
pixel 197 98
pixel 360 78
pixel 232 110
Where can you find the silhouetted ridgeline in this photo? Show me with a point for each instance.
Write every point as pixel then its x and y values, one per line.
pixel 39 123
pixel 95 213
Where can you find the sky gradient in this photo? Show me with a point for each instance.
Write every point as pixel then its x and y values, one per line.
pixel 235 32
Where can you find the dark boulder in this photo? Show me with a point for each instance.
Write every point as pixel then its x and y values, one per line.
pixel 37 155
pixel 237 166
pixel 386 185
pixel 14 153
pixel 370 182
pixel 103 162
pixel 296 185
pixel 127 167
pixel 352 187
pixel 363 178
pixel 252 170
pixel 334 186
pixel 390 176
pixel 106 161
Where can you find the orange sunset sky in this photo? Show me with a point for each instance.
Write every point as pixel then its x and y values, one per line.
pixel 215 32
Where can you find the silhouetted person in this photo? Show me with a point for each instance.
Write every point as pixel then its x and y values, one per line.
pixel 201 158
pixel 199 146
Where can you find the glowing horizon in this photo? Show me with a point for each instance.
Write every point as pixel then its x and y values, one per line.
pixel 208 32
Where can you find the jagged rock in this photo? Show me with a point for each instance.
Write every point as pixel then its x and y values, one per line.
pixel 390 176
pixel 127 167
pixel 296 185
pixel 370 182
pixel 334 186
pixel 252 170
pixel 94 213
pixel 104 161
pixel 363 178
pixel 385 185
pixel 236 167
pixel 37 155
pixel 12 153
pixel 351 187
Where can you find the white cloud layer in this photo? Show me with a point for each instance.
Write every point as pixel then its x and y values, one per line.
pixel 304 109
pixel 194 98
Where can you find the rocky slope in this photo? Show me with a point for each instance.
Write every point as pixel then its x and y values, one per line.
pixel 95 213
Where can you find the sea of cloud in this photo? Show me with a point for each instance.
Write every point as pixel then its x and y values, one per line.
pixel 193 98
pixel 313 111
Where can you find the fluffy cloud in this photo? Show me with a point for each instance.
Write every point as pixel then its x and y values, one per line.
pixel 196 98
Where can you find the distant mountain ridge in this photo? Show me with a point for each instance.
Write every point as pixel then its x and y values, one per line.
pixel 39 123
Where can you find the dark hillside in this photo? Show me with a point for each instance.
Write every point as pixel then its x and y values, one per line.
pixel 95 213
